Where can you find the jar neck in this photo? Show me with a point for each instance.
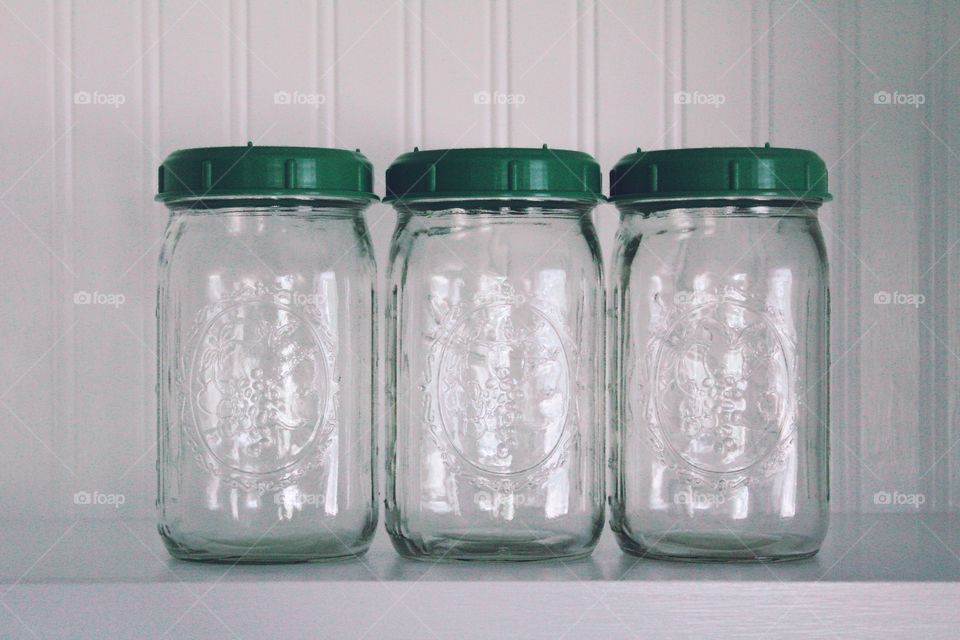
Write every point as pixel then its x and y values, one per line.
pixel 492 207
pixel 721 208
pixel 268 206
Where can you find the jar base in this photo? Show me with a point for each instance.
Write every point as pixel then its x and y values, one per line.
pixel 298 551
pixel 473 547
pixel 721 548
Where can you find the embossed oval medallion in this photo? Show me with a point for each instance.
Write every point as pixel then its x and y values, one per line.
pixel 258 387
pixel 504 388
pixel 722 387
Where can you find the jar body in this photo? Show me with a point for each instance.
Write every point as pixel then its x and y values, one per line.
pixel 495 337
pixel 719 382
pixel 267 362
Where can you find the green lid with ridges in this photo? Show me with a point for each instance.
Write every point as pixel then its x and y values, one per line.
pixel 214 172
pixel 720 173
pixel 498 173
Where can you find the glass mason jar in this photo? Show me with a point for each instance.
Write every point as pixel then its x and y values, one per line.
pixel 719 335
pixel 266 340
pixel 495 336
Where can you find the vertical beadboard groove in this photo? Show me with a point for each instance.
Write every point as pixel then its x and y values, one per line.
pixel 149 77
pixel 586 53
pixel 761 71
pixel 771 85
pixel 316 66
pixel 950 186
pixel 488 68
pixel 239 60
pixel 64 391
pixel 160 146
pixel 846 422
pixel 412 74
pixel 327 45
pixel 500 116
pixel 946 209
pixel 926 343
pixel 673 56
pixel 933 244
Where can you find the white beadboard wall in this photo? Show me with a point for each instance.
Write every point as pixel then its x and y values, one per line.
pixel 76 181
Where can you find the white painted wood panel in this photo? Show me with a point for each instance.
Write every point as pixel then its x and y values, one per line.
pixel 841 226
pixel 108 240
pixel 384 76
pixel 546 67
pixel 292 91
pixel 939 178
pixel 718 51
pixel 450 64
pixel 33 144
pixel 197 94
pixel 893 141
pixel 944 399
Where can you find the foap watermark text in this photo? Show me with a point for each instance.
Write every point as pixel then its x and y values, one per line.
pixel 99 98
pixel 298 98
pixel 897 499
pixel 114 300
pixel 300 500
pixel 98 499
pixel 497 98
pixel 697 98
pixel 698 499
pixel 899 298
pixel 896 98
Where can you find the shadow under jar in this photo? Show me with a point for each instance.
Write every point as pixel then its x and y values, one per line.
pixel 719 351
pixel 495 440
pixel 266 341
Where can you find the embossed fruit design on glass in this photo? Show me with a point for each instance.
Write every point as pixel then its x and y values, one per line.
pixel 719 355
pixel 267 364
pixel 495 440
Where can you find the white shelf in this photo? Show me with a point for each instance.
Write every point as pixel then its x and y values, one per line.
pixel 895 575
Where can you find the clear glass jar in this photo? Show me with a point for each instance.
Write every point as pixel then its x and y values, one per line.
pixel 719 333
pixel 495 336
pixel 267 363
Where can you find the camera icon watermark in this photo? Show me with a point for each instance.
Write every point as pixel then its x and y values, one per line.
pixel 297 98
pixel 114 300
pixel 497 98
pixel 95 498
pixel 899 298
pixel 98 98
pixel 899 99
pixel 697 98
pixel 897 499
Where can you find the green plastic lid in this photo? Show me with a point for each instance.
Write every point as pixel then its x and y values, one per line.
pixel 506 172
pixel 720 173
pixel 265 171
